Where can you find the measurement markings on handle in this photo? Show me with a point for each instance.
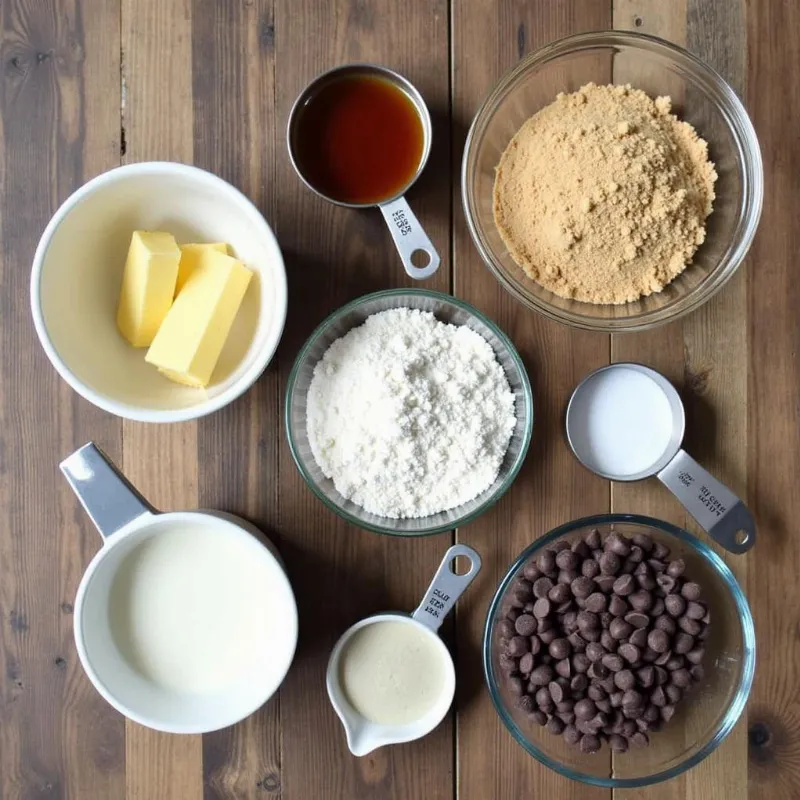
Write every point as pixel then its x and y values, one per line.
pixel 401 221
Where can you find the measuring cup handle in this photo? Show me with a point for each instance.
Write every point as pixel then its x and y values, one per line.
pixel 446 587
pixel 718 510
pixel 109 500
pixel 409 238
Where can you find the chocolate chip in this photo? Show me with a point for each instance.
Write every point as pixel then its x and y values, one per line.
pixel 681 678
pixel 587 620
pixel 608 641
pixel 624 680
pixel 662 658
pixel 579 683
pixel 615 698
pixel 639 739
pixel 525 703
pixel 544 700
pixel 591 635
pixel 566 576
pixel 676 568
pixel 526 664
pixel 667 624
pixel 643 540
pixel 525 625
pixel 595 651
pixel 683 643
pixel 596 692
pixel 695 610
pixel 638 638
pixel 549 635
pixel 582 587
pixel 637 619
pixel 581 549
pixel 697 672
pixel 656 565
pixel 554 724
pixel 539 717
pixel 613 661
pixel 691 590
pixel 646 582
pixel 580 662
pixel 624 585
pixel 560 545
pixel 560 594
pixel 508 664
pixel 542 675
pixel 617 606
pixel 571 735
pixel 541 608
pixel 556 692
pixel 609 564
pixel 651 713
pixel 690 626
pixel 695 656
pixel 667 713
pixel 666 583
pixel 559 649
pixel 675 605
pixel 505 629
pixel 616 544
pixel 515 686
pixel 674 694
pixel 632 699
pixel 536 645
pixel 547 562
pixel 590 568
pixel 542 586
pixel 593 539
pixel 661 551
pixel 597 670
pixel 620 629
pixel 577 642
pixel 658 607
pixel 641 601
pixel 658 640
pixel 518 646
pixel 646 676
pixel 564 668
pixel 566 559
pixel 531 571
pixel 596 602
pixel 662 676
pixel 604 582
pixel 630 652
pixel 585 709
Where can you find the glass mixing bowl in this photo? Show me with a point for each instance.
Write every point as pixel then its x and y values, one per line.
pixel 445 309
pixel 700 96
pixel 701 721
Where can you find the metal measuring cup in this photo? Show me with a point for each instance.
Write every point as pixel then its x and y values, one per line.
pixel 715 507
pixel 409 238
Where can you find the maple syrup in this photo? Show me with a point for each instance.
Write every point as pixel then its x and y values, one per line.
pixel 358 139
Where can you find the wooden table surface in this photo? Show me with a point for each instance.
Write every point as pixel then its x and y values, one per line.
pixel 89 84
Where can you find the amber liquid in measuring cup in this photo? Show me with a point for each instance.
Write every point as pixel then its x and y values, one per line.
pixel 359 140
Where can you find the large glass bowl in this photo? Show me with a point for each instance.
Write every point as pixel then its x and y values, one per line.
pixel 700 96
pixel 701 721
pixel 445 309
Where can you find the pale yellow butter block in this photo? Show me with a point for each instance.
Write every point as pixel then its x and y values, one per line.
pixel 188 344
pixel 148 285
pixel 190 258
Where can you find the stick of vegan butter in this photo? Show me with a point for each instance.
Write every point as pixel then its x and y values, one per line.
pixel 190 258
pixel 148 285
pixel 190 339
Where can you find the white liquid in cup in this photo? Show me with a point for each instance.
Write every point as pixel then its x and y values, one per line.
pixel 620 422
pixel 190 611
pixel 393 672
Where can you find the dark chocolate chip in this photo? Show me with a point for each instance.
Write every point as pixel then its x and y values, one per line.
pixel 690 626
pixel 616 544
pixel 676 568
pixel 531 571
pixel 525 625
pixel 582 587
pixel 515 686
pixel 542 586
pixel 641 600
pixel 571 735
pixel 518 646
pixel 674 694
pixel 608 641
pixel 695 610
pixel 548 635
pixel 695 655
pixel 579 683
pixel 613 661
pixel 617 606
pixel 526 664
pixel 559 649
pixel 596 602
pixel 589 743
pixel 658 640
pixel 541 608
pixel 525 703
pixel 624 680
pixel 566 559
pixel 697 672
pixel 593 539
pixel 595 651
pixel 624 585
pixel 691 590
pixel 667 712
pixel 556 691
pixel 539 717
pixel 554 724
pixel 560 594
pixel 547 562
pixel 630 652
pixel 637 619
pixel 585 709
pixel 675 605
pixel 542 675
pixel 682 678
pixel 638 638
pixel 619 744
pixel 505 629
pixel 590 568
pixel 610 563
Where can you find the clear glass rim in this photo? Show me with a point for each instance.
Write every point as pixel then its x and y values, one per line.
pixel 745 141
pixel 737 703
pixel 527 394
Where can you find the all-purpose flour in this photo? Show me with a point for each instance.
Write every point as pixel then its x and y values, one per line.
pixel 409 416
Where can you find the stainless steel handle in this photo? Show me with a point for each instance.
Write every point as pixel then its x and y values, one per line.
pixel 109 500
pixel 409 238
pixel 446 587
pixel 715 507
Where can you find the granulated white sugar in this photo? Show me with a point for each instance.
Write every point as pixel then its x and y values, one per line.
pixel 410 416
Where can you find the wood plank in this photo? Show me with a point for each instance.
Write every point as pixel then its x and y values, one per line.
pixel 551 488
pixel 234 122
pixel 773 98
pixel 342 573
pixel 57 736
pixel 161 460
pixel 705 355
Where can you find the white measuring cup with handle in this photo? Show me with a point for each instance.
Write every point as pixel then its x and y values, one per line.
pixel 364 735
pixel 715 507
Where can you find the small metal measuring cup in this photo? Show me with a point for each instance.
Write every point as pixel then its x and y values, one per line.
pixel 715 507
pixel 409 238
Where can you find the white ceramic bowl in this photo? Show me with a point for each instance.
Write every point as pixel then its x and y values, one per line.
pixel 77 272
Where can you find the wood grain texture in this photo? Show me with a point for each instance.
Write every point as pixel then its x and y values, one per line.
pixel 551 488
pixel 341 573
pixel 161 460
pixel 234 122
pixel 773 458
pixel 57 737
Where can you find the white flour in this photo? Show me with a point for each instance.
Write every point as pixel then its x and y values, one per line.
pixel 409 416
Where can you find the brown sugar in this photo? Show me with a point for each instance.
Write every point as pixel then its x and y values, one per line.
pixel 602 196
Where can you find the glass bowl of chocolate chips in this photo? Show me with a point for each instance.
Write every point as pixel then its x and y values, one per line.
pixel 619 650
